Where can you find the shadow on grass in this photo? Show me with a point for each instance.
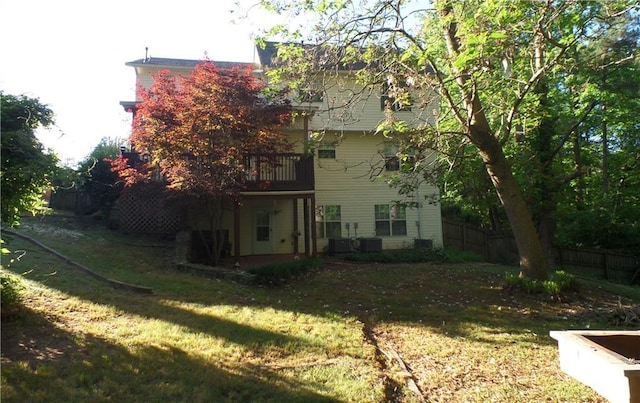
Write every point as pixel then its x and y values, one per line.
pixel 449 301
pixel 41 362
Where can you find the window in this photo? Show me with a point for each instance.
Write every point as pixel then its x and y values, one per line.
pixel 311 95
pixel 391 159
pixel 389 101
pixel 327 150
pixel 391 219
pixel 328 221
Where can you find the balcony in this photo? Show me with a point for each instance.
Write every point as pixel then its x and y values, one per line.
pixel 279 172
pixel 265 172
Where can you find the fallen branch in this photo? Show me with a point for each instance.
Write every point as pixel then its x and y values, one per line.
pixel 393 355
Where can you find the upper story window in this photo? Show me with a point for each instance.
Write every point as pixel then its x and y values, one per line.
pixel 311 95
pixel 394 98
pixel 326 150
pixel 328 221
pixel 391 159
pixel 391 219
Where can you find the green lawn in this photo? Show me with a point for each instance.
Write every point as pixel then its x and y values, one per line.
pixel 349 332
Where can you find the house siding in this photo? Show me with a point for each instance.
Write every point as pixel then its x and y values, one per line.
pixel 348 106
pixel 351 182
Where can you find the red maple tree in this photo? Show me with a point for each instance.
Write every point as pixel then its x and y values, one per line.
pixel 193 134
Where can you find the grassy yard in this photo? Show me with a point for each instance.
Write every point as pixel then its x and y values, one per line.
pixel 348 332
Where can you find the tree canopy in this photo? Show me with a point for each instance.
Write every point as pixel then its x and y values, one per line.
pixel 193 134
pixel 502 71
pixel 194 131
pixel 95 176
pixel 27 168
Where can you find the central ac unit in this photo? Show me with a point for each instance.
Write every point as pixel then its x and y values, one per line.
pixel 423 243
pixel 370 244
pixel 339 245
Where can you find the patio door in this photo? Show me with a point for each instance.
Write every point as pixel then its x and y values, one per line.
pixel 262 231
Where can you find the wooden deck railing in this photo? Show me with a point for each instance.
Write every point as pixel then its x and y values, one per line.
pixel 268 172
pixel 279 172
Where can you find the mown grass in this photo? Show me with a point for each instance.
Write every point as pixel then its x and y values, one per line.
pixel 349 332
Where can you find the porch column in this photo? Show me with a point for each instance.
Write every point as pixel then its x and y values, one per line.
pixel 314 235
pixel 296 242
pixel 236 231
pixel 305 208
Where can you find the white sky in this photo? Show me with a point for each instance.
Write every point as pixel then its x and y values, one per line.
pixel 71 55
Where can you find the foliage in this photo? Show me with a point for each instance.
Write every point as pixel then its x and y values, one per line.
pixel 497 66
pixel 194 134
pixel 278 273
pixel 558 283
pixel 10 292
pixel 95 176
pixel 580 140
pixel 415 255
pixel 11 287
pixel 197 131
pixel 27 168
pixel 457 256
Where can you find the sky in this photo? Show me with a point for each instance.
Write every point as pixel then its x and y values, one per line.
pixel 71 55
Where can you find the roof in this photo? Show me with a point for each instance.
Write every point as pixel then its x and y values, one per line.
pixel 183 63
pixel 327 57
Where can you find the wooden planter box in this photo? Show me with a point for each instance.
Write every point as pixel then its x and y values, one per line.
pixel 606 361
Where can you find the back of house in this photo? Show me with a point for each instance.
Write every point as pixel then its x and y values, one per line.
pixel 345 186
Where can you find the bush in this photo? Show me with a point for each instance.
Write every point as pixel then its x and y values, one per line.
pixel 277 273
pixel 419 255
pixel 10 293
pixel 558 283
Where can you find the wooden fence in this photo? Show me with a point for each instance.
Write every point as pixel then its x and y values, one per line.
pixel 501 248
pixel 71 200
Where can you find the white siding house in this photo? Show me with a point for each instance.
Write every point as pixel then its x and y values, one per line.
pixel 348 199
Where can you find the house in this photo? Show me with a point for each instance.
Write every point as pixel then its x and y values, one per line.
pixel 332 193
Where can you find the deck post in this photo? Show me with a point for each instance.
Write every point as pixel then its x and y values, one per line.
pixel 236 231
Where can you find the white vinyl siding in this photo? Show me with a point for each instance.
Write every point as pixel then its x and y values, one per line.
pixel 350 181
pixel 350 106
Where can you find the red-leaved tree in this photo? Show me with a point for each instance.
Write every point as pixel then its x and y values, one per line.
pixel 194 131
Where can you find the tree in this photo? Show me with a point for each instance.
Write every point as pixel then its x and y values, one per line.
pixel 194 133
pixel 26 167
pixel 96 178
pixel 487 60
pixel 600 210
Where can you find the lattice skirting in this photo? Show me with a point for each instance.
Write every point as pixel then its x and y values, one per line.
pixel 148 215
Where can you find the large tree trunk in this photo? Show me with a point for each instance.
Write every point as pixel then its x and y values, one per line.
pixel 532 258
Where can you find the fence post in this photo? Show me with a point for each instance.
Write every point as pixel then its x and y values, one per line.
pixel 605 262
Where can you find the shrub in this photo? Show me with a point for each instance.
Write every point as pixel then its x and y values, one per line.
pixel 457 256
pixel 277 273
pixel 418 255
pixel 558 283
pixel 10 293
